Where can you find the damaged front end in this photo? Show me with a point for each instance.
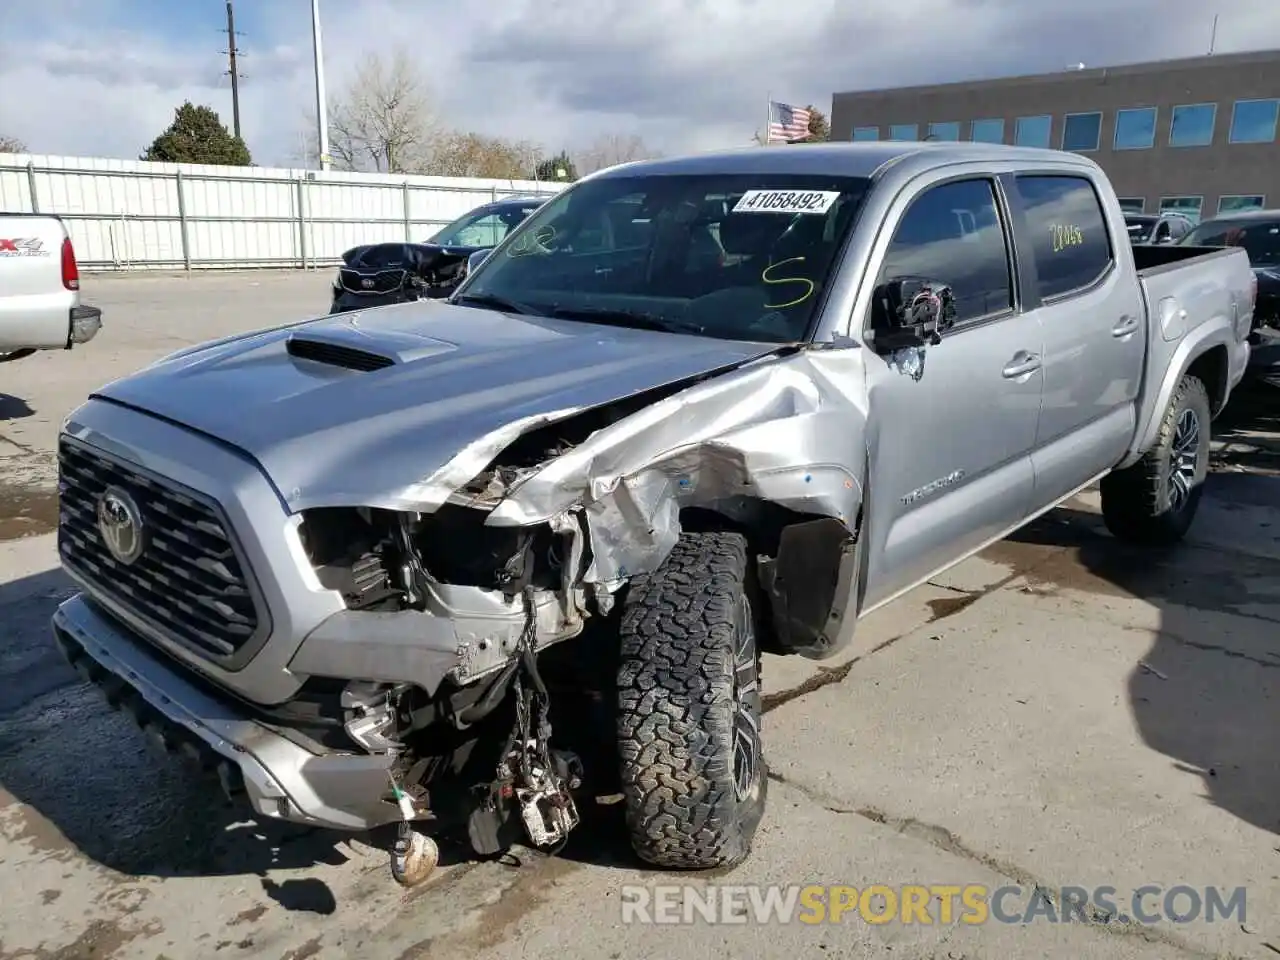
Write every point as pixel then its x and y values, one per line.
pixel 455 611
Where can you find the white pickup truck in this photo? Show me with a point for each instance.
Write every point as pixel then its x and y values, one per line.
pixel 40 306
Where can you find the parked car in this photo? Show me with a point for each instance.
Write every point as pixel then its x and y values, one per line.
pixel 377 274
pixel 1258 232
pixel 456 565
pixel 40 306
pixel 1157 228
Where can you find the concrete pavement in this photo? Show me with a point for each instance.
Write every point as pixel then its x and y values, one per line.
pixel 1061 711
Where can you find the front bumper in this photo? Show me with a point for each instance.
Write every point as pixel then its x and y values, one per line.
pixel 85 324
pixel 281 779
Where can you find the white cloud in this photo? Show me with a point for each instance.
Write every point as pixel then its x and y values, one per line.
pixel 683 74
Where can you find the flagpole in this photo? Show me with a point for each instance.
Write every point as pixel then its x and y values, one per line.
pixel 768 117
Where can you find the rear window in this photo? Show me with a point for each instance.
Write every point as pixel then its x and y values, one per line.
pixel 1069 238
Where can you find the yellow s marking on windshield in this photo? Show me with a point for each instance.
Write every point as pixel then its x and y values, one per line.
pixel 1065 236
pixel 810 286
pixel 535 241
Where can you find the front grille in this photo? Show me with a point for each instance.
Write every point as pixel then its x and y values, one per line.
pixel 385 281
pixel 188 584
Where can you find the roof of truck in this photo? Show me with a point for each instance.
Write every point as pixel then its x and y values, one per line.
pixel 831 159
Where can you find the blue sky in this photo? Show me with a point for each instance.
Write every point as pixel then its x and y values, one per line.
pixel 101 77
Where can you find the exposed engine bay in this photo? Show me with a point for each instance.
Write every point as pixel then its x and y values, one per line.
pixel 522 722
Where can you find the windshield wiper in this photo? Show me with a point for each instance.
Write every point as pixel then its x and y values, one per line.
pixel 625 318
pixel 493 302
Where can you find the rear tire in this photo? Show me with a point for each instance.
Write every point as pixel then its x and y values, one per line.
pixel 693 773
pixel 1154 501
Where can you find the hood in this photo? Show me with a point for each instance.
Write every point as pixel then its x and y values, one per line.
pixel 446 377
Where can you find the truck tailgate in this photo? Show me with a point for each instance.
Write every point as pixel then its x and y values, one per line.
pixel 35 306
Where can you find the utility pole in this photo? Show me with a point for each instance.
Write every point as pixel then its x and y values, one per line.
pixel 322 115
pixel 232 54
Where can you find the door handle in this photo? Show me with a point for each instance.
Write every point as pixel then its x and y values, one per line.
pixel 1126 326
pixel 1021 364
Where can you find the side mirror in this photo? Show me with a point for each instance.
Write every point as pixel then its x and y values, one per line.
pixel 477 258
pixel 912 312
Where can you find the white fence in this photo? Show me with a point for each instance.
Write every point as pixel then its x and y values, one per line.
pixel 134 215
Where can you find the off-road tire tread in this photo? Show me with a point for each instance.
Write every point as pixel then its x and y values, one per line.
pixel 1133 498
pixel 675 711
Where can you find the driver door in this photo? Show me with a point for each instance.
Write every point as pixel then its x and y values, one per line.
pixel 950 451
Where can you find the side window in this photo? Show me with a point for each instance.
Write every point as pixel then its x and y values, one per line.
pixel 1069 238
pixel 1162 232
pixel 952 233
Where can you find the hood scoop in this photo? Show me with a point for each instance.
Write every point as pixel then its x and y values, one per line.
pixel 336 354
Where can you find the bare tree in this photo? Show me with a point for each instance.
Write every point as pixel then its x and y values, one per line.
pixel 383 120
pixel 461 154
pixel 612 149
pixel 12 145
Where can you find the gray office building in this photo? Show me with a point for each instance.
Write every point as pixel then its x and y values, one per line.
pixel 1196 136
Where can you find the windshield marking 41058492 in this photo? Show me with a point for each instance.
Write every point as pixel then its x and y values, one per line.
pixel 786 201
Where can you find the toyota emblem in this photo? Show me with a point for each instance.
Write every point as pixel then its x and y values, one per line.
pixel 367 283
pixel 120 523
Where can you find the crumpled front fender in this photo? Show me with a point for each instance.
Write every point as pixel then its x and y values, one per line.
pixel 786 430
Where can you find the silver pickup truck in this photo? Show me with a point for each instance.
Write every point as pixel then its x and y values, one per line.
pixel 453 564
pixel 40 306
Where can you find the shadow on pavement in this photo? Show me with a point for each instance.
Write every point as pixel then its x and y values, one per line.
pixel 13 408
pixel 1207 692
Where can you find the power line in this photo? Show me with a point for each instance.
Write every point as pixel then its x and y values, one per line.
pixel 233 53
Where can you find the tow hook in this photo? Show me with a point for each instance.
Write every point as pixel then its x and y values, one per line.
pixel 415 855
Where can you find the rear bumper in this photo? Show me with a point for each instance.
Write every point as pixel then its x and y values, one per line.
pixel 281 779
pixel 85 324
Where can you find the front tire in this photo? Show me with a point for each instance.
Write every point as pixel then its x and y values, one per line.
pixel 693 772
pixel 1154 501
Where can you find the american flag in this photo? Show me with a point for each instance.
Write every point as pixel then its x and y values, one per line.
pixel 787 122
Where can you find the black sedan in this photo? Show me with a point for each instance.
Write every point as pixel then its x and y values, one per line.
pixel 374 275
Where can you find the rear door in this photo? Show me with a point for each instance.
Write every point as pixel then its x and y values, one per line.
pixel 950 448
pixel 1082 288
pixel 35 307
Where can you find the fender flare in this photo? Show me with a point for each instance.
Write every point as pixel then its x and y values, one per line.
pixel 1192 348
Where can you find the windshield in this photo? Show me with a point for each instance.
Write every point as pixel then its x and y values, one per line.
pixel 1260 239
pixel 484 227
pixel 739 257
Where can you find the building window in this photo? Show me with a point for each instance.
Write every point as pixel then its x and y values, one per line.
pixel 945 131
pixel 904 131
pixel 1133 204
pixel 1192 125
pixel 987 131
pixel 863 134
pixel 1033 131
pixel 1189 207
pixel 1136 129
pixel 1082 132
pixel 1234 204
pixel 1254 121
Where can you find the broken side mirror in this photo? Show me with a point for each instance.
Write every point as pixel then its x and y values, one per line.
pixel 912 312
